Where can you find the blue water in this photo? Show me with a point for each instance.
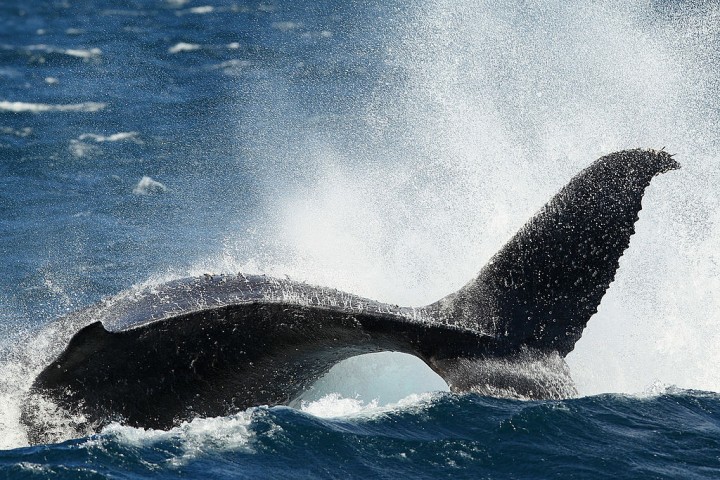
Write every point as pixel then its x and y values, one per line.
pixel 674 435
pixel 368 146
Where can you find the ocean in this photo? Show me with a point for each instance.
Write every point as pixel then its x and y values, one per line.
pixel 387 149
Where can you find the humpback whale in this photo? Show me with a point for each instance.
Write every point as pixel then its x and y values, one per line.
pixel 219 344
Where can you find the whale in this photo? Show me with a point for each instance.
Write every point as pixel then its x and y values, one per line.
pixel 216 345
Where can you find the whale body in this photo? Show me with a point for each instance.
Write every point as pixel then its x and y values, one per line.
pixel 216 345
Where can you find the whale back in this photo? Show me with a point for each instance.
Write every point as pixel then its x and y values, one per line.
pixel 147 304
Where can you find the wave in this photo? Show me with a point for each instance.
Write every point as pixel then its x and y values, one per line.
pixel 82 146
pixel 20 107
pixel 115 137
pixel 205 9
pixel 334 405
pixel 465 436
pixel 184 47
pixel 202 10
pixel 148 186
pixel 190 440
pixel 84 53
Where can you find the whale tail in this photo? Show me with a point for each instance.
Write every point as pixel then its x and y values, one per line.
pixel 542 287
pixel 216 345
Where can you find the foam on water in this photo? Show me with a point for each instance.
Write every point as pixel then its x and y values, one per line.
pixel 184 47
pixel 192 438
pixel 237 433
pixel 20 366
pixel 148 186
pixel 19 107
pixel 202 10
pixel 85 54
pixel 212 9
pixel 114 137
pixel 334 405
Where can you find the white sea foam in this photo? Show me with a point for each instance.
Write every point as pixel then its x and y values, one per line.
pixel 45 107
pixel 191 439
pixel 334 405
pixel 23 354
pixel 72 52
pixel 658 388
pixel 34 468
pixel 231 432
pixel 14 383
pixel 183 47
pixel 80 53
pixel 202 10
pixel 114 137
pixel 148 186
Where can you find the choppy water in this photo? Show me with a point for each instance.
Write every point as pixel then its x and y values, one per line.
pixel 384 148
pixel 675 434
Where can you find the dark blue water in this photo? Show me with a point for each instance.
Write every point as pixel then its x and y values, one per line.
pixel 674 435
pixel 369 146
pixel 211 122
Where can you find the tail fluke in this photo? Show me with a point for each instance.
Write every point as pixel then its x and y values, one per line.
pixel 541 289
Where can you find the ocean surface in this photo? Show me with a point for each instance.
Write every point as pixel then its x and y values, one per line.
pixel 384 148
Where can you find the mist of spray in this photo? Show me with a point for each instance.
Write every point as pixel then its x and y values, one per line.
pixel 482 115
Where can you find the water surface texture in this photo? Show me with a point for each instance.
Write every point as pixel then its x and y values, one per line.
pixel 384 148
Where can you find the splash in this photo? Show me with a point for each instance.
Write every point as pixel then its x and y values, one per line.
pixel 481 116
pixel 190 440
pixel 334 405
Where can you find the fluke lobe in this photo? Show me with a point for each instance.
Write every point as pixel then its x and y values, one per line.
pixel 216 345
